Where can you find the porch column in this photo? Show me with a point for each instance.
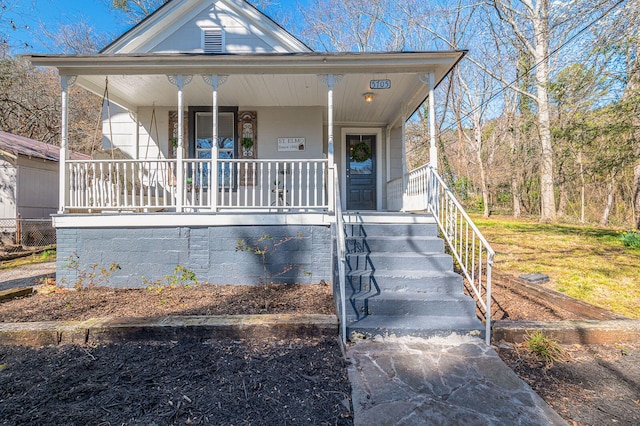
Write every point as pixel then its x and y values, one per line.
pixel 405 178
pixel 66 81
pixel 330 80
pixel 433 151
pixel 180 81
pixel 430 80
pixel 215 81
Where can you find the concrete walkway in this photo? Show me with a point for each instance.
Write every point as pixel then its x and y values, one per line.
pixel 442 381
pixel 26 275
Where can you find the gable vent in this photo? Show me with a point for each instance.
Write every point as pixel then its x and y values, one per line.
pixel 213 40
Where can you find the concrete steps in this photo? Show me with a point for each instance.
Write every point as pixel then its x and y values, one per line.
pixel 400 281
pixel 418 326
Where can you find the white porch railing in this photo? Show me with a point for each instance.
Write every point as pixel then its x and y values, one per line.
pixel 96 185
pixel 120 184
pixel 425 190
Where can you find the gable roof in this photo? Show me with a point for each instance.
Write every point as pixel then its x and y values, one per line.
pixel 171 13
pixel 20 145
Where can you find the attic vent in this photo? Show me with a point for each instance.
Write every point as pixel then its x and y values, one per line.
pixel 213 40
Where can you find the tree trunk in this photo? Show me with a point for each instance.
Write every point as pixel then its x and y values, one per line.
pixel 607 208
pixel 582 185
pixel 483 176
pixel 547 195
pixel 564 196
pixel 636 195
pixel 517 212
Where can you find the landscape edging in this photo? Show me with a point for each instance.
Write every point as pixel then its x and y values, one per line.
pixel 170 328
pixel 585 332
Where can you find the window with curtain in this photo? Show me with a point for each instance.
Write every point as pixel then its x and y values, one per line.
pixel 201 142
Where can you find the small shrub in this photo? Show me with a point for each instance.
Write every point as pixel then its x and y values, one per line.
pixel 543 347
pixel 47 255
pixel 181 277
pixel 630 239
pixel 264 247
pixel 95 276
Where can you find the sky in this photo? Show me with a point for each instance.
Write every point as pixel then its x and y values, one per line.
pixel 29 15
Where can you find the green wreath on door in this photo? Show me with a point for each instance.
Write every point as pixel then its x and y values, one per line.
pixel 360 152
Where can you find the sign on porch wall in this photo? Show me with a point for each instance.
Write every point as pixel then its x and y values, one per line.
pixel 291 144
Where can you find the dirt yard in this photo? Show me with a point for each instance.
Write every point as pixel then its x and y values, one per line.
pixel 251 382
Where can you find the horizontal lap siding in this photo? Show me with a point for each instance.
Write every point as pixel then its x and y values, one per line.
pixel 210 252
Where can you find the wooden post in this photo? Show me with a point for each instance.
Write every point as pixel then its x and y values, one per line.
pixel 18 229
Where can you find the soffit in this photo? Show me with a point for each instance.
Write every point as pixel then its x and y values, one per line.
pixel 265 80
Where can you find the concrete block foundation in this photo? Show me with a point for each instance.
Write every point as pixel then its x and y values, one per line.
pixel 302 255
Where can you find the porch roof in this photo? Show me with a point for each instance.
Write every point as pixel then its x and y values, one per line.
pixel 267 79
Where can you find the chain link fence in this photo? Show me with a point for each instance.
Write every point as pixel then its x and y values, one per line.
pixel 18 233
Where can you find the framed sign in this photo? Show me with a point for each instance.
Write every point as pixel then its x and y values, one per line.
pixel 291 144
pixel 380 84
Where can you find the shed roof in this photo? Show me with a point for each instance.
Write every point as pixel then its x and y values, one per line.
pixel 20 145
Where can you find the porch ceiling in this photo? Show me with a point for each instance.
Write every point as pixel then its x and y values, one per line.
pixel 264 80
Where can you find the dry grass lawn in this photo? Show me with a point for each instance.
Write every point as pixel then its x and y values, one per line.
pixel 585 262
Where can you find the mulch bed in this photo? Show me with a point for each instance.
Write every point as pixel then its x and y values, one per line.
pixel 296 382
pixel 260 382
pixel 205 299
pixel 589 384
pixel 299 381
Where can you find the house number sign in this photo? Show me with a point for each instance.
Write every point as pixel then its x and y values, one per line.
pixel 380 84
pixel 291 144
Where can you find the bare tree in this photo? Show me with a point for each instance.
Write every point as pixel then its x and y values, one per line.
pixel 78 37
pixel 530 22
pixel 30 106
pixel 136 10
pixel 353 25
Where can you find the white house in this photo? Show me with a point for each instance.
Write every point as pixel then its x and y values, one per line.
pixel 29 177
pixel 293 137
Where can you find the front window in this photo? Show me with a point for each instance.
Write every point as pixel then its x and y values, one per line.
pixel 200 142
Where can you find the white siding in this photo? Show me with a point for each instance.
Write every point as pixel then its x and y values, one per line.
pixel 396 153
pixel 154 135
pixel 239 36
pixel 274 123
pixel 120 130
pixel 37 187
pixel 8 174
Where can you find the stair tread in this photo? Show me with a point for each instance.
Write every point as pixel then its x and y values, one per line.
pixel 418 322
pixel 394 237
pixel 412 295
pixel 403 273
pixel 425 254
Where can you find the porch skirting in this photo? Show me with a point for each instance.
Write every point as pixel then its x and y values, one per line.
pixel 154 252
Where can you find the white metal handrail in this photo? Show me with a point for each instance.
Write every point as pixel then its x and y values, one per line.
pixel 341 254
pixel 425 190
